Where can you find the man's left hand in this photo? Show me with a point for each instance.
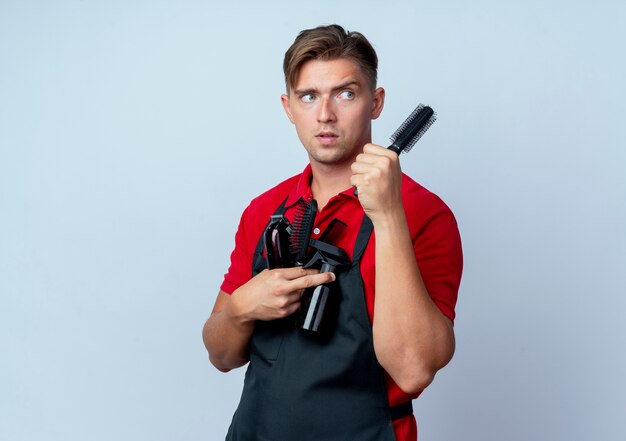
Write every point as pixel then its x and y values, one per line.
pixel 377 176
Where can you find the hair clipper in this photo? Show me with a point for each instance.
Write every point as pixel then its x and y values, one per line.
pixel 276 239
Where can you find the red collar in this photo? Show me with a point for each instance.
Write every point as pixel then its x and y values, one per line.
pixel 303 189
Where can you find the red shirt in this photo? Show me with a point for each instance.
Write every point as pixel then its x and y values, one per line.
pixel 433 230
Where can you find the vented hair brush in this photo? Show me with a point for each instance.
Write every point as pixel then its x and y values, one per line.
pixel 412 129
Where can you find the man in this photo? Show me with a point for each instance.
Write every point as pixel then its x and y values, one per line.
pixel 394 326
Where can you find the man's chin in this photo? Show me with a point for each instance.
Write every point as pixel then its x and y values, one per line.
pixel 330 156
pixel 331 159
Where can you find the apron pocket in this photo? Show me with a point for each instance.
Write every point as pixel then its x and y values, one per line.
pixel 267 338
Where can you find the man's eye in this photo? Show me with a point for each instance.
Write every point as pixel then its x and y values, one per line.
pixel 308 98
pixel 346 95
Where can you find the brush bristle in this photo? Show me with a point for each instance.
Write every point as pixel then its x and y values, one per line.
pixel 413 128
pixel 303 221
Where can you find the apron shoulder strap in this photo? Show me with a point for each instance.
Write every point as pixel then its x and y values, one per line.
pixel 362 238
pixel 406 408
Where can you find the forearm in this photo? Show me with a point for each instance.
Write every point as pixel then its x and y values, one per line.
pixel 270 295
pixel 226 336
pixel 412 338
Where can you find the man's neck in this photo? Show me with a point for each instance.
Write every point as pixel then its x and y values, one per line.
pixel 328 181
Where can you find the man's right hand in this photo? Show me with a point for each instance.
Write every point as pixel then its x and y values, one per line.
pixel 274 294
pixel 270 295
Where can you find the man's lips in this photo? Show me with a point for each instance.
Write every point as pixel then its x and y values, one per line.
pixel 326 137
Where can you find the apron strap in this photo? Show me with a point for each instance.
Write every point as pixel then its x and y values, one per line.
pixel 406 408
pixel 401 410
pixel 362 238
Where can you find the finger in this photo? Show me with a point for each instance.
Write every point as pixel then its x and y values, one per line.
pixel 375 149
pixel 289 299
pixel 311 281
pixel 297 272
pixel 362 167
pixel 294 296
pixel 366 158
pixel 288 310
pixel 356 181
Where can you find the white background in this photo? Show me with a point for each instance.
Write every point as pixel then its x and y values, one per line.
pixel 133 134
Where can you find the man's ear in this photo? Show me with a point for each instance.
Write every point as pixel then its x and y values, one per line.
pixel 378 102
pixel 284 99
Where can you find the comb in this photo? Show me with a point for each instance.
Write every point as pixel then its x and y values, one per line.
pixel 303 221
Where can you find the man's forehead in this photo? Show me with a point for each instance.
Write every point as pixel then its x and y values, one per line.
pixel 329 74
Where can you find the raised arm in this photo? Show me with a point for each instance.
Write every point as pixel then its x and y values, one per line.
pixel 413 339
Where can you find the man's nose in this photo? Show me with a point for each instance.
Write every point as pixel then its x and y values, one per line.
pixel 326 111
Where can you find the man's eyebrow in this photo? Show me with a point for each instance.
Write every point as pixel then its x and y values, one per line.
pixel 304 91
pixel 349 83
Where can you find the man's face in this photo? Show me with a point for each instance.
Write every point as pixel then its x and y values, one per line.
pixel 332 107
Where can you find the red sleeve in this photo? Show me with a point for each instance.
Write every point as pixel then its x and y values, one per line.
pixel 240 270
pixel 440 259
